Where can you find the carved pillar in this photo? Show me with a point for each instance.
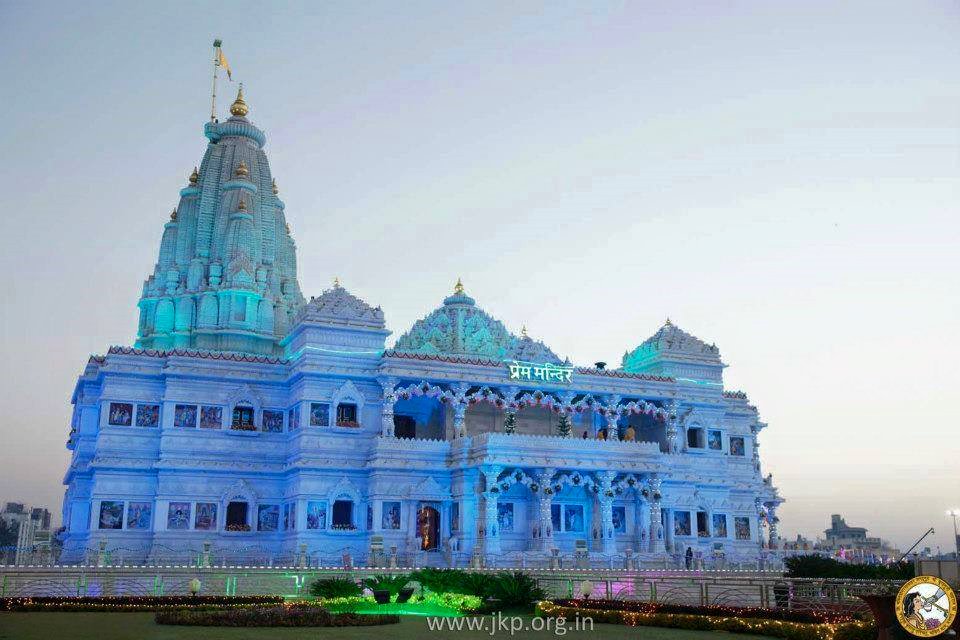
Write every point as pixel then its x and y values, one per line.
pixel 673 445
pixel 460 410
pixel 389 399
pixel 459 420
pixel 642 524
pixel 412 544
pixel 774 523
pixel 491 528
pixel 656 521
pixel 612 415
pixel 754 431
pixel 544 521
pixel 605 496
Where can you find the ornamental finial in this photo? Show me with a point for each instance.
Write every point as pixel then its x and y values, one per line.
pixel 523 332
pixel 668 323
pixel 239 108
pixel 458 288
pixel 287 225
pixel 173 216
pixel 194 176
pixel 336 282
pixel 276 189
pixel 241 171
pixel 242 206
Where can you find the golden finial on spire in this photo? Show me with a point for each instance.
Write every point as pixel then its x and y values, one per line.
pixel 241 171
pixel 668 323
pixel 458 288
pixel 194 176
pixel 239 108
pixel 173 216
pixel 336 282
pixel 287 225
pixel 276 189
pixel 242 206
pixel 523 331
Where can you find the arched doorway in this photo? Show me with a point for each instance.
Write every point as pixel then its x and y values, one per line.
pixel 428 528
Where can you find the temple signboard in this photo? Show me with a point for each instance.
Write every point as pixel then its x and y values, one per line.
pixel 532 371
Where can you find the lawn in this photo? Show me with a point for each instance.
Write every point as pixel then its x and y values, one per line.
pixel 140 626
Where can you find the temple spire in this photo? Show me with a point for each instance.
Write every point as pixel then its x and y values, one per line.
pixel 239 108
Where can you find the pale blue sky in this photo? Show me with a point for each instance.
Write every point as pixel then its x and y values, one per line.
pixel 778 178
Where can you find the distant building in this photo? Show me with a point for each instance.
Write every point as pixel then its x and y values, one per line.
pixel 16 512
pixel 853 543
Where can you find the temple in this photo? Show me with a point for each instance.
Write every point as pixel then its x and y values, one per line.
pixel 247 421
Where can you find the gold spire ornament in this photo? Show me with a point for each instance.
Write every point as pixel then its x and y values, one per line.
pixel 242 206
pixel 173 216
pixel 458 288
pixel 336 282
pixel 523 332
pixel 195 176
pixel 239 108
pixel 276 189
pixel 241 171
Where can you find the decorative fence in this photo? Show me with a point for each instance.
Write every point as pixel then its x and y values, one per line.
pixel 729 587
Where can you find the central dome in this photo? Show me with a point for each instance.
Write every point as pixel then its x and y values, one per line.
pixel 460 328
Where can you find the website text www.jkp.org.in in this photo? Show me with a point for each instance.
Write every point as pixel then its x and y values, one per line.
pixel 497 623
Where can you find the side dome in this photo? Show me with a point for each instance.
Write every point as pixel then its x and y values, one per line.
pixel 337 306
pixel 671 351
pixel 460 328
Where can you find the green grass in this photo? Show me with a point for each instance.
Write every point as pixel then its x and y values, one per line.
pixel 140 626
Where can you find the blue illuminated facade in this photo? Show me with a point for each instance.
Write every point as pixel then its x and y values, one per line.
pixel 248 418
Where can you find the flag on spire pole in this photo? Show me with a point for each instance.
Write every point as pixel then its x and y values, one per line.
pixel 222 59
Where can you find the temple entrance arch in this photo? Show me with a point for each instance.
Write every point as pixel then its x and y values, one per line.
pixel 428 527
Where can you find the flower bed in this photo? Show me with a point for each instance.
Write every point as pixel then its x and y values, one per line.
pixel 708 619
pixel 433 604
pixel 298 615
pixel 753 613
pixel 134 603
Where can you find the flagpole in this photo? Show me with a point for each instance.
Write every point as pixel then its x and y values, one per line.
pixel 216 63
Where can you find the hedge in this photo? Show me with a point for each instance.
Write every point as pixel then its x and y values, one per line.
pixel 133 603
pixel 277 616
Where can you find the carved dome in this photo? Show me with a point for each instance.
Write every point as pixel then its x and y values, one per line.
pixel 459 327
pixel 670 339
pixel 338 306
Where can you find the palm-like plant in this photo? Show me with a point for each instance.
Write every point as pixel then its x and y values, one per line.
pixel 391 583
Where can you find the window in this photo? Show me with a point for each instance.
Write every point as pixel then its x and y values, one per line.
pixel 681 523
pixel 573 518
pixel 148 415
pixel 121 414
pixel 237 516
pixel 316 515
pixel 347 415
pixel 390 516
pixel 343 514
pixel 319 414
pixel 293 419
pixel 736 446
pixel 111 514
pixel 741 527
pixel 620 519
pixel 505 516
pixel 695 438
pixel 243 419
pixel 211 417
pixel 272 421
pixel 454 517
pixel 719 525
pixel 404 427
pixel 703 530
pixel 268 517
pixel 714 440
pixel 206 516
pixel 555 517
pixel 139 515
pixel 239 308
pixel 178 516
pixel 185 416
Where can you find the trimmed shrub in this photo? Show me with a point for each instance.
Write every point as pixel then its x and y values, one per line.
pixel 133 603
pixel 279 616
pixel 748 613
pixel 821 567
pixel 335 588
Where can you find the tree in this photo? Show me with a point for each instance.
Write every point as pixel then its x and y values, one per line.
pixel 510 422
pixel 563 426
